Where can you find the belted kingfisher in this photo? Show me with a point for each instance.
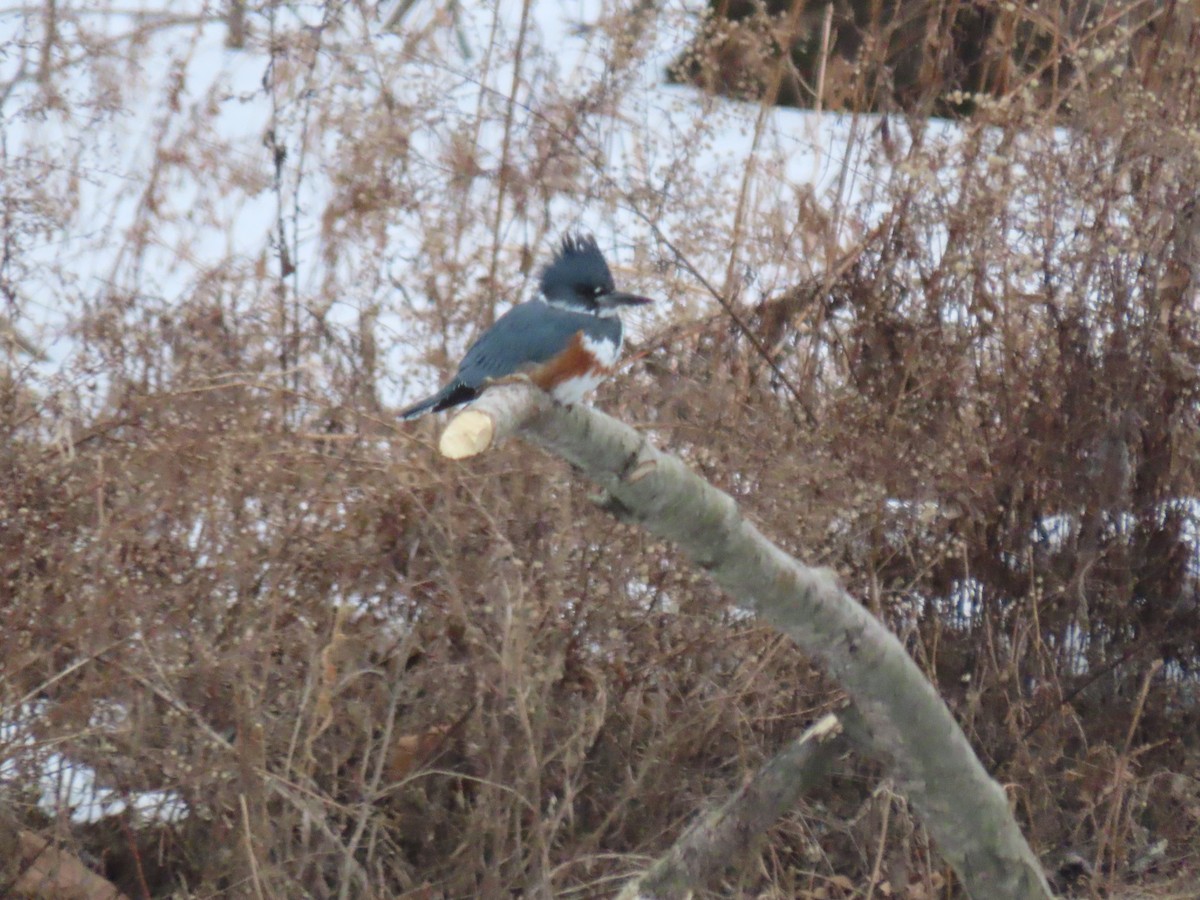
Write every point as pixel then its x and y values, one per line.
pixel 566 343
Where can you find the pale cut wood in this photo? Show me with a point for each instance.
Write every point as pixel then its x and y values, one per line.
pixel 482 426
pixel 468 434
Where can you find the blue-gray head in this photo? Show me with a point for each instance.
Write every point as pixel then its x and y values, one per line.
pixel 578 279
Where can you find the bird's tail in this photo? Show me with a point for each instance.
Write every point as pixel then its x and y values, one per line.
pixel 419 409
pixel 451 395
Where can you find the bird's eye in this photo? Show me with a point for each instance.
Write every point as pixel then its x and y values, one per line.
pixel 597 291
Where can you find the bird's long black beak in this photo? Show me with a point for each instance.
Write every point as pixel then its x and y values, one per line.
pixel 614 299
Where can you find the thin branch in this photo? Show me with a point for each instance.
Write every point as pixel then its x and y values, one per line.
pixel 505 148
pixel 755 341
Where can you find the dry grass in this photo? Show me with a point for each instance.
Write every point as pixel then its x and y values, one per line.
pixel 970 384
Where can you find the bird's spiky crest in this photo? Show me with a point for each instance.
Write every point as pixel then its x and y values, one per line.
pixel 577 264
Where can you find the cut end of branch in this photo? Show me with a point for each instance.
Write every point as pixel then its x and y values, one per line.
pixel 468 434
pixel 826 729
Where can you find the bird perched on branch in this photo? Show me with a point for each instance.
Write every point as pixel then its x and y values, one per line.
pixel 566 342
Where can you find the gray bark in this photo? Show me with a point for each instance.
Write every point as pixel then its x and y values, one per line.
pixel 932 763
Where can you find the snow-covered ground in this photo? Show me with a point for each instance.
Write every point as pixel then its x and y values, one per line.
pixel 168 134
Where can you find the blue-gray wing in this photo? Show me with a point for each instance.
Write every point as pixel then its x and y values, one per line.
pixel 528 335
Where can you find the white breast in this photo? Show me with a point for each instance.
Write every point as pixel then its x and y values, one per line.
pixel 604 351
pixel 573 389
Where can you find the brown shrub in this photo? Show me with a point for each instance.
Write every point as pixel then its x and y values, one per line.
pixel 966 377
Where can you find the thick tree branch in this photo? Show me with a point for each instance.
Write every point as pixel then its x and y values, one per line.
pixel 933 764
pixel 718 839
